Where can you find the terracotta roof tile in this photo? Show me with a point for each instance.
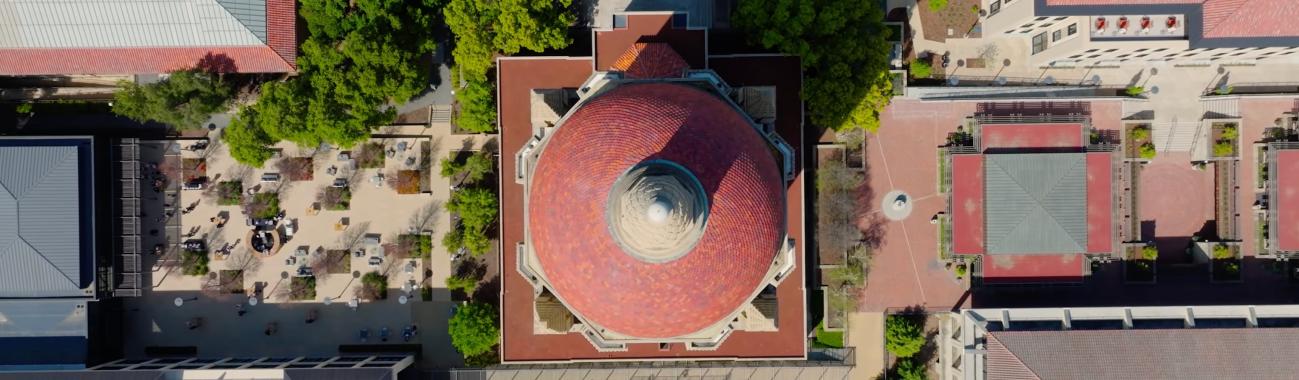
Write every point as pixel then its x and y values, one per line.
pixel 651 60
pixel 250 59
pixel 1225 18
pixel 570 189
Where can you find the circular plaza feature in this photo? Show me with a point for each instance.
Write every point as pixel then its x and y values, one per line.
pixel 896 205
pixel 655 210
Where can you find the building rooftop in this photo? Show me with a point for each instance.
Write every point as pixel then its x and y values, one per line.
pixel 46 228
pixel 1037 203
pixel 61 37
pixel 519 77
pixel 1033 201
pixel 1239 353
pixel 602 275
pixel 1212 19
pixel 1286 202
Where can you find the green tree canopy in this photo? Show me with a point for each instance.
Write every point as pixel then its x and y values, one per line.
pixel 474 168
pixel 477 209
pixel 473 329
pixel 361 56
pixel 477 107
pixel 844 49
pixel 911 369
pixel 902 336
pixel 184 100
pixel 483 28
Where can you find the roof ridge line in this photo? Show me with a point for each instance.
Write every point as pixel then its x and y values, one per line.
pixel 43 177
pixel 20 238
pixel 1218 19
pixel 265 42
pixel 1015 355
pixel 1021 220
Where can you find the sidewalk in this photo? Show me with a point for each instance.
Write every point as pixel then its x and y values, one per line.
pixel 866 336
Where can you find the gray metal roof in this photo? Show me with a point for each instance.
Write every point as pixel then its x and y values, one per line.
pixel 40 221
pixel 131 23
pixel 42 318
pixel 1036 203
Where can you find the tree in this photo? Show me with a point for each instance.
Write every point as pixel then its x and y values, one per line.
pixel 483 28
pixel 902 336
pixel 911 369
pixel 836 205
pixel 184 100
pixel 844 49
pixel 477 210
pixel 249 144
pixel 921 68
pixel 936 5
pixel 361 56
pixel 473 329
pixel 477 111
pixel 466 284
pixel 473 169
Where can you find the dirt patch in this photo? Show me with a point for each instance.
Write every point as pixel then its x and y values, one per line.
pixel 959 16
pixel 296 168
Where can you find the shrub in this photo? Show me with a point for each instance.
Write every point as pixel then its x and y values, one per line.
pixel 477 209
pixel 302 288
pixel 1135 91
pixel 194 263
pixel 335 198
pixel 473 329
pixel 296 168
pixel 1222 252
pixel 1149 253
pixel 911 369
pixel 264 206
pixel 416 245
pixel 1224 148
pixel 902 336
pixel 473 169
pixel 374 286
pixel 370 156
pixel 464 283
pixel 937 5
pixel 1147 151
pixel 921 68
pixel 1139 133
pixel 230 193
pixel 1229 132
pixel 961 270
pixel 23 109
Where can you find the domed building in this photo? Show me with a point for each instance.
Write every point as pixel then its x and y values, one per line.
pixel 655 207
pixel 653 211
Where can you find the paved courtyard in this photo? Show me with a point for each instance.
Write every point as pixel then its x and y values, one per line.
pixel 229 319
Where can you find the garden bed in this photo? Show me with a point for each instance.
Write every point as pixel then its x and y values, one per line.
pixel 1139 264
pixel 405 182
pixel 340 256
pixel 264 206
pixel 230 193
pixel 370 156
pixel 827 339
pixel 194 263
pixel 1225 266
pixel 302 288
pixel 193 168
pixel 374 286
pixel 336 198
pixel 296 168
pixel 1225 138
pixel 960 16
pixel 1137 144
pixel 232 281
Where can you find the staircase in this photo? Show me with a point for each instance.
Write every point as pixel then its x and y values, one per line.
pixel 440 114
pixel 1175 136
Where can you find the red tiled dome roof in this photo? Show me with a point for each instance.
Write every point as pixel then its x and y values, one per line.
pixel 570 192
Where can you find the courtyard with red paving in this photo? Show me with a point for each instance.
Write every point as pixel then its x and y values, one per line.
pixel 1175 200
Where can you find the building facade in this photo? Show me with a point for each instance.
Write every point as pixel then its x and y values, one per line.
pixel 1105 33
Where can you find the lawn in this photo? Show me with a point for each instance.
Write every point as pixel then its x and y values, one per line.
pixel 832 339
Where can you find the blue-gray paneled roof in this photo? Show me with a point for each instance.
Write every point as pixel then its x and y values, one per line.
pixel 1036 203
pixel 43 228
pixel 130 23
pixel 250 13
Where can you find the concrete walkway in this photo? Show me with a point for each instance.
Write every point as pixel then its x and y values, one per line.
pixel 866 336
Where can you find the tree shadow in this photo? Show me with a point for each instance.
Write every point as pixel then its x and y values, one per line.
pixel 218 63
pixel 489 292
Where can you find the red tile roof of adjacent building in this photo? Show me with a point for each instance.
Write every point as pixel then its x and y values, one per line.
pixel 277 54
pixel 1287 202
pixel 570 191
pixel 646 28
pixel 108 61
pixel 651 60
pixel 1225 18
